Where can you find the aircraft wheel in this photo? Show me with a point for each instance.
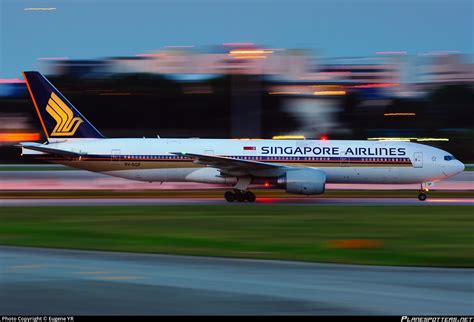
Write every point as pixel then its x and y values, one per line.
pixel 229 196
pixel 422 196
pixel 250 196
pixel 240 197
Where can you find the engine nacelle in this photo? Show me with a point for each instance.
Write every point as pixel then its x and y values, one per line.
pixel 303 182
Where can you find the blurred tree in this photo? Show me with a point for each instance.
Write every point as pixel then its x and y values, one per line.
pixel 453 106
pixel 351 115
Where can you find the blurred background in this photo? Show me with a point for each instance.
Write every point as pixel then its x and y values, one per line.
pixel 376 70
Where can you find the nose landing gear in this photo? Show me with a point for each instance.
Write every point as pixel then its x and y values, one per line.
pixel 239 195
pixel 422 194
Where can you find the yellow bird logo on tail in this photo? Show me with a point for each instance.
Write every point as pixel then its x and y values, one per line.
pixel 66 123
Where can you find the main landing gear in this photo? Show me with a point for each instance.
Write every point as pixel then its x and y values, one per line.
pixel 240 192
pixel 239 195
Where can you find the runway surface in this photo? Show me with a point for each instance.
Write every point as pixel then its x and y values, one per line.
pixel 84 180
pixel 220 201
pixel 66 282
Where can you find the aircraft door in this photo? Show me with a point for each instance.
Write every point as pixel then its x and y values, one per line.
pixel 115 155
pixel 344 160
pixel 418 160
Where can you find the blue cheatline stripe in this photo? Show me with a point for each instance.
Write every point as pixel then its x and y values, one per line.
pixel 308 159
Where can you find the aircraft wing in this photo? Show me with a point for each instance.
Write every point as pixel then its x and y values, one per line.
pixel 232 165
pixel 44 148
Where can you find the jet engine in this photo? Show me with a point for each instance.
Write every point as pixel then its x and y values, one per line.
pixel 303 182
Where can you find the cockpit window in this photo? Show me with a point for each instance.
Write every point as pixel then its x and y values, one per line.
pixel 449 157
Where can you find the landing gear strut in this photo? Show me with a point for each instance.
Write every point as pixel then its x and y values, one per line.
pixel 240 196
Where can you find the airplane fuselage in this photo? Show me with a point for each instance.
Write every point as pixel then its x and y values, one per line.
pixel 298 166
pixel 342 161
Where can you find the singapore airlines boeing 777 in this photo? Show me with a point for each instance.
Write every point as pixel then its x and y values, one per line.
pixel 298 166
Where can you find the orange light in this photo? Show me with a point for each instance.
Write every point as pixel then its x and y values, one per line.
pixel 463 200
pixel 11 81
pixel 266 184
pixel 330 93
pixel 400 114
pixel 18 137
pixel 288 137
pixel 250 57
pixel 250 52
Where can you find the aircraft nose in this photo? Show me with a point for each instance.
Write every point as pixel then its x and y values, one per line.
pixel 457 167
pixel 452 168
pixel 460 166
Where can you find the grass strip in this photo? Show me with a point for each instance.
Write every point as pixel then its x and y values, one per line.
pixel 383 235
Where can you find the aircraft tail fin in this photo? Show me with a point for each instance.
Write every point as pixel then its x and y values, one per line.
pixel 59 118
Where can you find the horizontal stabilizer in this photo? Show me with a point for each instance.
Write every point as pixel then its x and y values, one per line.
pixel 45 149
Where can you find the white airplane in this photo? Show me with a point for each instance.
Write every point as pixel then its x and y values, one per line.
pixel 298 166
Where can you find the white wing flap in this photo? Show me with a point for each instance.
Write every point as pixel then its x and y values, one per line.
pixel 229 165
